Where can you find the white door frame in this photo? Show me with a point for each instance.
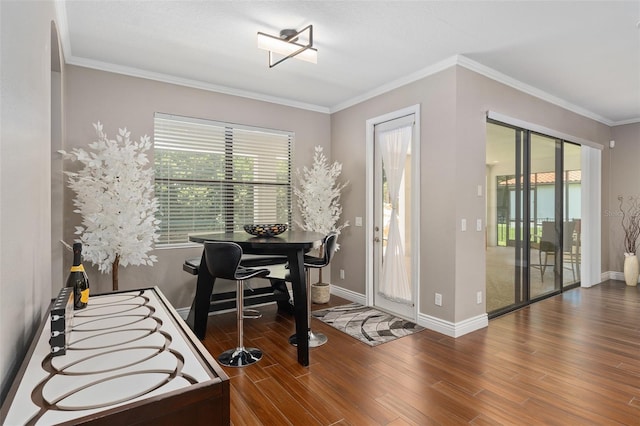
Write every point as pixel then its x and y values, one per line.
pixel 415 208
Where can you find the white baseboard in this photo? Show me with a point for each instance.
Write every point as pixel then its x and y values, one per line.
pixel 349 294
pixel 614 275
pixel 453 329
pixel 183 312
pixel 432 323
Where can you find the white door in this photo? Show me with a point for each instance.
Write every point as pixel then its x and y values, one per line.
pixel 395 197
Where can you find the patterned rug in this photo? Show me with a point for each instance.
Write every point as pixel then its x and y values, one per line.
pixel 367 324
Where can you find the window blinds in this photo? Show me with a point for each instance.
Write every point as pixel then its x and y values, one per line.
pixel 216 177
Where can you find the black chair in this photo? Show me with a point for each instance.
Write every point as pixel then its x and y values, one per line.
pixel 276 292
pixel 328 248
pixel 547 246
pixel 223 261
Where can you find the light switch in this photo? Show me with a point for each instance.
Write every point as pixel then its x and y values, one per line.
pixel 358 220
pixel 463 225
pixel 479 225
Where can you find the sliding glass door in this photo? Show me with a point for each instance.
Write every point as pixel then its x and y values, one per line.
pixel 572 188
pixel 545 189
pixel 532 218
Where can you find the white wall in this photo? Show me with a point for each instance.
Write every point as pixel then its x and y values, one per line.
pixel 25 181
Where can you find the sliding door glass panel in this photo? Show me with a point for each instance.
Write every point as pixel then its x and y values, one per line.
pixel 572 190
pixel 545 234
pixel 504 176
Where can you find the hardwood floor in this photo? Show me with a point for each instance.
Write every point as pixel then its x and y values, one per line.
pixel 573 359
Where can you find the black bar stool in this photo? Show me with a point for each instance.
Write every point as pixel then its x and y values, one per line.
pixel 328 247
pixel 223 261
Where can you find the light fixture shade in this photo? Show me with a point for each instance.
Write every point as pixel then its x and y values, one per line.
pixel 286 48
pixel 289 46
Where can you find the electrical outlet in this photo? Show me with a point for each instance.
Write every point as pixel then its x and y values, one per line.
pixel 342 274
pixel 438 300
pixel 479 225
pixel 479 297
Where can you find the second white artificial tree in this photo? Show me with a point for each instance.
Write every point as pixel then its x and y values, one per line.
pixel 318 195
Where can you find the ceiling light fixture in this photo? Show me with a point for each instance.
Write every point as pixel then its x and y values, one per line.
pixel 289 45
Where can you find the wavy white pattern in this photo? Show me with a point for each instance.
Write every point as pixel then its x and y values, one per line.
pixel 122 348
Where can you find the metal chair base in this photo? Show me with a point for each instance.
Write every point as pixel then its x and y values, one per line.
pixel 315 339
pixel 239 357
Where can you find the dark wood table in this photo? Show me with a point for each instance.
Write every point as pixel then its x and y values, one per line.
pixel 293 244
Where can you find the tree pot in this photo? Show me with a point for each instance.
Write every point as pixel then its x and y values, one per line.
pixel 631 269
pixel 320 293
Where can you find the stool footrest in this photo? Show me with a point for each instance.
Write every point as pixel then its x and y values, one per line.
pixel 251 313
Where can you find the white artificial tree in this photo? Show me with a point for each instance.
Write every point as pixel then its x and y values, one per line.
pixel 116 200
pixel 318 195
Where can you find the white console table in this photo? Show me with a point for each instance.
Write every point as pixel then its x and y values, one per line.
pixel 130 360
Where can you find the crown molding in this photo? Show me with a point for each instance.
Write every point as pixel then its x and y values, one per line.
pixel 477 67
pixel 395 84
pixel 67 54
pixel 63 28
pixel 629 121
pixel 165 78
pixel 460 60
pixel 488 72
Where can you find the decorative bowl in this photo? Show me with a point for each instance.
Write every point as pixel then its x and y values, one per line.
pixel 267 230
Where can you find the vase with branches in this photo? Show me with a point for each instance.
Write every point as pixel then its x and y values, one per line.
pixel 115 196
pixel 318 197
pixel 630 214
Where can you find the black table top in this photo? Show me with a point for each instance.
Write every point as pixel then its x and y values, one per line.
pixel 286 240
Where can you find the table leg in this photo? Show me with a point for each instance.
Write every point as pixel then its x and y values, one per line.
pixel 299 287
pixel 199 312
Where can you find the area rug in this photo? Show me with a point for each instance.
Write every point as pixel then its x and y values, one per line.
pixel 369 325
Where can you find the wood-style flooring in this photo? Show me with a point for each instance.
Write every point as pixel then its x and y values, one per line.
pixel 573 359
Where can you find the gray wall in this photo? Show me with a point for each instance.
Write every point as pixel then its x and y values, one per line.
pixel 477 94
pixel 122 101
pixel 436 95
pixel 453 107
pixel 25 181
pixel 625 180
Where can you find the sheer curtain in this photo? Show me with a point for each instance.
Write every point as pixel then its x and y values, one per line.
pixel 394 146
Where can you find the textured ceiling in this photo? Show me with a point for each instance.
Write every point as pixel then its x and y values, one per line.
pixel 584 55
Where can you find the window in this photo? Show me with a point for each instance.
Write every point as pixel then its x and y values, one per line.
pixel 212 176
